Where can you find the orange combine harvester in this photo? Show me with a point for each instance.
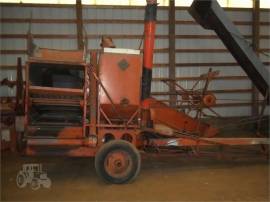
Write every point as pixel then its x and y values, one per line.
pixel 103 109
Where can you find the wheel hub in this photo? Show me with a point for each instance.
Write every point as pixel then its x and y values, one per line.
pixel 118 163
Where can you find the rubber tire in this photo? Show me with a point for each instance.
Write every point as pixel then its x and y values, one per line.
pixel 21 180
pixel 118 145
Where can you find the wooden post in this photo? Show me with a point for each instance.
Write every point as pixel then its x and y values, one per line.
pixel 172 51
pixel 19 89
pixel 79 23
pixel 256 44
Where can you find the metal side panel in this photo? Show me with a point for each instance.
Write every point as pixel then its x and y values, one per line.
pixel 210 15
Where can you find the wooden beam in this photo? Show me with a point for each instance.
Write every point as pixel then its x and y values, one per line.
pixel 55 91
pixel 172 89
pixel 79 24
pixel 214 64
pixel 238 104
pixel 221 91
pixel 115 36
pixel 157 50
pixel 112 7
pixel 255 43
pixel 111 21
pixel 196 78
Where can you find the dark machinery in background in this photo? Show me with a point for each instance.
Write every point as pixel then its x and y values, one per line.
pixel 104 109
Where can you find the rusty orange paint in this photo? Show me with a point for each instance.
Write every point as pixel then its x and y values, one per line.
pixel 122 84
pixel 160 113
pixel 73 152
pixel 118 163
pixel 60 55
pixel 118 134
pixel 70 132
pixel 54 90
pixel 187 141
pixel 209 100
pixel 149 42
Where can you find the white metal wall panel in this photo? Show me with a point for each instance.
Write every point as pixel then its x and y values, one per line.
pixel 264 30
pixel 199 30
pixel 197 71
pixel 264 16
pixel 114 13
pixel 99 29
pixel 13 44
pixel 244 15
pixel 233 111
pixel 203 57
pixel 38 12
pixel 63 44
pixel 199 43
pixel 11 59
pixel 265 43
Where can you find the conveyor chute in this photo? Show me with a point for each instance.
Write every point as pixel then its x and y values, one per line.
pixel 210 15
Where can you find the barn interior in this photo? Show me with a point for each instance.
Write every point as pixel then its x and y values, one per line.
pixel 135 100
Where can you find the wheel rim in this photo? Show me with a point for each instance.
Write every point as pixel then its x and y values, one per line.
pixel 118 164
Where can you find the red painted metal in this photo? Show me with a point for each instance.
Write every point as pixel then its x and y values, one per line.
pixel 111 105
pixel 60 55
pixel 93 93
pixel 117 84
pixel 122 84
pixel 73 152
pixel 149 42
pixel 189 141
pixel 55 91
pixel 85 100
pixel 67 132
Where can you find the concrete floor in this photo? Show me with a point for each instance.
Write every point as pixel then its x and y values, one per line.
pixel 161 179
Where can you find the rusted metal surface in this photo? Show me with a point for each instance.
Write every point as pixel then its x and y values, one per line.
pixel 64 132
pixel 208 141
pixel 181 122
pixel 60 102
pixel 118 133
pixel 118 163
pixel 121 83
pixel 93 93
pixel 55 91
pixel 73 152
pixel 55 142
pixel 196 98
pixel 60 55
pixel 113 103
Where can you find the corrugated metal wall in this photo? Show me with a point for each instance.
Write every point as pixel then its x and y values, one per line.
pixel 197 49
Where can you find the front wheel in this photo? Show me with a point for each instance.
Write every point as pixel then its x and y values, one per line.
pixel 21 180
pixel 118 162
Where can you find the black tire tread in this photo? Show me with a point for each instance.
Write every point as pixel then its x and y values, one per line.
pixel 116 144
